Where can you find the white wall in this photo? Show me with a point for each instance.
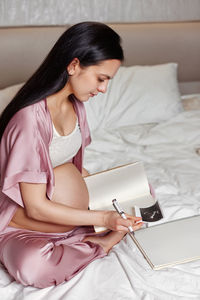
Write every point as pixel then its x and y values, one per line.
pixel 44 12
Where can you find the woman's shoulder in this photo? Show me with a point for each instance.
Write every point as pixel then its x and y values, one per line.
pixel 29 114
pixel 28 120
pixel 32 109
pixel 31 121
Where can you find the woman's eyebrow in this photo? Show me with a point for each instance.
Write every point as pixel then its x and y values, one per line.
pixel 107 76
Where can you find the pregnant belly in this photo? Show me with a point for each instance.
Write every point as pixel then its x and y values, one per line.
pixel 70 190
pixel 70 187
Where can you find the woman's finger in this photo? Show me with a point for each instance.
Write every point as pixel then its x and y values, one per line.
pixel 137 226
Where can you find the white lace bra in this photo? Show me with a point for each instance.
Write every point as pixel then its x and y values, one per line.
pixel 63 148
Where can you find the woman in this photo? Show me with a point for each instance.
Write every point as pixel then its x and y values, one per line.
pixel 46 232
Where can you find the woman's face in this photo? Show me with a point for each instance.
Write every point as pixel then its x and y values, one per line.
pixel 89 81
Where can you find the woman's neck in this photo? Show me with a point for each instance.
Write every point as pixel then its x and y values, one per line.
pixel 60 100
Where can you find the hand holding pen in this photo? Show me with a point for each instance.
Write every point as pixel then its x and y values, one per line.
pixel 122 214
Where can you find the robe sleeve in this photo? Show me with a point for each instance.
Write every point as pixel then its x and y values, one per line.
pixel 22 155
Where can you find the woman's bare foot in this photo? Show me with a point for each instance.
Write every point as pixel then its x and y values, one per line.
pixel 107 241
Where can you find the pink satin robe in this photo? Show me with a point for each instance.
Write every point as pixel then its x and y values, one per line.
pixel 35 258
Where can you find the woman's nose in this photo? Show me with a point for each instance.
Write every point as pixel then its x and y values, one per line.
pixel 102 88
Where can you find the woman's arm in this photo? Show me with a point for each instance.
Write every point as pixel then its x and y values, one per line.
pixel 39 207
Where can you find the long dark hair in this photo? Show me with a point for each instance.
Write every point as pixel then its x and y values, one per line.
pixel 90 42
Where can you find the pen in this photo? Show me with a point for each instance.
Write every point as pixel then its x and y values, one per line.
pixel 121 213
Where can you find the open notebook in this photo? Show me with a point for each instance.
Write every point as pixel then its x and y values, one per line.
pixel 170 243
pixel 129 185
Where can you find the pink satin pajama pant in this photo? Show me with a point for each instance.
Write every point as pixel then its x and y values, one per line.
pixel 44 259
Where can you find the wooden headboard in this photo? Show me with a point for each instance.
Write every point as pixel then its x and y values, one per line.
pixel 22 49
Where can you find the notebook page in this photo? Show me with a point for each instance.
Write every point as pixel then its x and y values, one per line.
pixel 172 242
pixel 124 183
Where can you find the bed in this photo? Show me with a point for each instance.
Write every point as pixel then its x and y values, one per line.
pixel 150 113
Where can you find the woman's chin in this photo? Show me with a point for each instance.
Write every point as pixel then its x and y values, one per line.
pixel 84 98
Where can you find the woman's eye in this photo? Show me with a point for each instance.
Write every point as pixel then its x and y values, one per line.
pixel 100 80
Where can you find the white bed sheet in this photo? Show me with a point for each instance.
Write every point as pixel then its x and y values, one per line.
pixel 168 151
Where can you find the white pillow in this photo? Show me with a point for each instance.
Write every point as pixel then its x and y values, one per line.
pixel 137 95
pixel 7 94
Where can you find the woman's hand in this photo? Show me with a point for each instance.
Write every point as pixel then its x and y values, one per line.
pixel 113 221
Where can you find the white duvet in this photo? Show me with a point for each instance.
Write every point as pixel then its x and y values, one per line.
pixel 168 151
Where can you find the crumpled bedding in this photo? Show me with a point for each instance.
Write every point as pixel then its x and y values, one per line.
pixel 168 151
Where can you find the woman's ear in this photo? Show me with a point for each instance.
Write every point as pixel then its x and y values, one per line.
pixel 73 66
